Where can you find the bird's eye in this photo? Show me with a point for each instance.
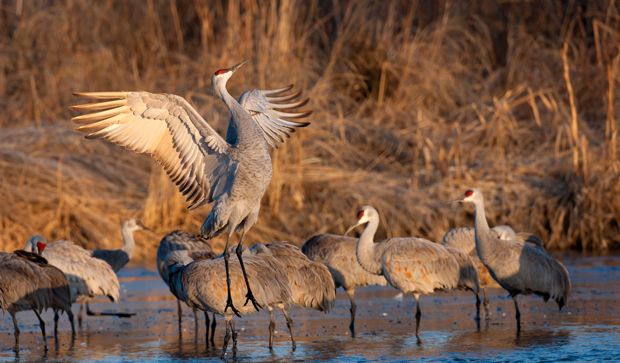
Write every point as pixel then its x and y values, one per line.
pixel 220 71
pixel 469 193
pixel 360 214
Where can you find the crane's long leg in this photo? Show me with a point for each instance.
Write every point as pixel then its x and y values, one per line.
pixel 81 316
pixel 418 315
pixel 56 317
pixel 42 325
pixel 180 315
pixel 517 314
pixel 70 315
pixel 229 302
pixel 272 327
pixel 226 338
pixel 206 328
pixel 16 331
pixel 249 296
pixel 120 315
pixel 485 302
pixel 195 322
pixel 477 311
pixel 213 325
pixel 234 337
pixel 289 325
pixel 351 294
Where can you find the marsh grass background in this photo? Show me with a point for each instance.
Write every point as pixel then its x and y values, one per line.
pixel 414 101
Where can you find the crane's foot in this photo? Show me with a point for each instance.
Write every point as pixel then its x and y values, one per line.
pixel 229 304
pixel 250 297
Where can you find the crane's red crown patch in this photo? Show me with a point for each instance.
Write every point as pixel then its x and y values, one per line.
pixel 469 193
pixel 41 246
pixel 220 71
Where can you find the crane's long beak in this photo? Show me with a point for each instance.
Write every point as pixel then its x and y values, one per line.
pixel 351 228
pixel 455 201
pixel 237 66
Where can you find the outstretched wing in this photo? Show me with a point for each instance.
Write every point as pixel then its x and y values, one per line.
pixel 271 110
pixel 169 129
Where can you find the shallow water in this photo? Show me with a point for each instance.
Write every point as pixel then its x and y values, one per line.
pixel 588 329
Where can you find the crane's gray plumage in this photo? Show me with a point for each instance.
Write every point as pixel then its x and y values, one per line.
pixel 463 239
pixel 202 284
pixel 310 283
pixel 233 173
pixel 28 282
pixel 338 254
pixel 520 267
pixel 88 276
pixel 414 265
pixel 118 258
pixel 187 247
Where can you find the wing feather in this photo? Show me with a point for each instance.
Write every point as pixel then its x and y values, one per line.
pixel 269 112
pixel 167 128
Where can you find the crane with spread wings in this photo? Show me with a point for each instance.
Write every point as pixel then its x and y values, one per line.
pixel 231 173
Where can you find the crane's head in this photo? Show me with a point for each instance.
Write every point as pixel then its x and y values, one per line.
pixel 36 243
pixel 221 76
pixel 132 225
pixel 364 215
pixel 470 196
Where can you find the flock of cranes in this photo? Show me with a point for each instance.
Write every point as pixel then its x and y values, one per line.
pixel 233 174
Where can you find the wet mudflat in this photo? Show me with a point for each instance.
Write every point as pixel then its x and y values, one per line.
pixel 587 330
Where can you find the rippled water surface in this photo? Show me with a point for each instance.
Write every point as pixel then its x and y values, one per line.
pixel 587 330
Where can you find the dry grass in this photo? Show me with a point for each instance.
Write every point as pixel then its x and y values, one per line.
pixel 414 103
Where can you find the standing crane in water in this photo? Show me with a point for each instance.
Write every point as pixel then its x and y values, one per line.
pixel 28 282
pixel 117 259
pixel 233 173
pixel 192 247
pixel 464 239
pixel 414 265
pixel 200 283
pixel 517 266
pixel 338 254
pixel 88 276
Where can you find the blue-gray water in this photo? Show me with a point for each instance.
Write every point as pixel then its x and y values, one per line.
pixel 587 330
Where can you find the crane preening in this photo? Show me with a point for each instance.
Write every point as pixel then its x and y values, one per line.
pixel 233 173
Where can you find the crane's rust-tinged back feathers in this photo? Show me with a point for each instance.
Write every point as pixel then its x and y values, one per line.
pixel 338 254
pixel 88 276
pixel 311 283
pixel 169 129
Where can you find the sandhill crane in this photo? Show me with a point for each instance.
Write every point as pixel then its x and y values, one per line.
pixel 234 173
pixel 87 276
pixel 338 254
pixel 197 247
pixel 310 283
pixel 414 265
pixel 28 282
pixel 117 259
pixel 201 284
pixel 463 239
pixel 519 267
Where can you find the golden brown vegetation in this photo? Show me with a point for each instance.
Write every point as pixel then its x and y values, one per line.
pixel 414 102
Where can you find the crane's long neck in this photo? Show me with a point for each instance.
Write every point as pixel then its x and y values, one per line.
pixel 129 243
pixel 247 130
pixel 482 231
pixel 366 251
